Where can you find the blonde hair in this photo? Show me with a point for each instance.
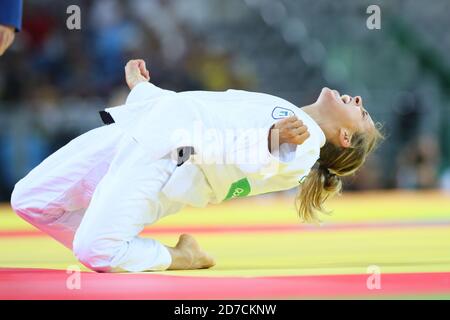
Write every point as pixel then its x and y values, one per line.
pixel 334 162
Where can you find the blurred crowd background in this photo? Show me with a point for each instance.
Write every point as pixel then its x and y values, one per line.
pixel 54 80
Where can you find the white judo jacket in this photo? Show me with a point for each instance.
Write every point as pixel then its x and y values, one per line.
pixel 229 134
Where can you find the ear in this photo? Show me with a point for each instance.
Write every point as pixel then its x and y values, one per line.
pixel 345 138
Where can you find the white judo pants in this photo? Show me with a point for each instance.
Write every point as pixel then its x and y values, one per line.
pixel 95 195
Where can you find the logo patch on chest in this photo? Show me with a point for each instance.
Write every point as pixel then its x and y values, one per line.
pixel 280 113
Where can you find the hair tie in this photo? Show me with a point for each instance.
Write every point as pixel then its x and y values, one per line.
pixel 327 171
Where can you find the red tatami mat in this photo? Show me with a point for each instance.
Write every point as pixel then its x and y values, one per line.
pixel 51 284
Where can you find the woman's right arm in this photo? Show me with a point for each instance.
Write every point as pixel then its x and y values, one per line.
pixel 137 77
pixel 136 72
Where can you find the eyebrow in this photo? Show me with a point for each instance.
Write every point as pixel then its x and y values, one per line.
pixel 367 116
pixel 363 113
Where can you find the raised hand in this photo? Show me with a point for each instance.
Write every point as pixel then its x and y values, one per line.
pixel 136 72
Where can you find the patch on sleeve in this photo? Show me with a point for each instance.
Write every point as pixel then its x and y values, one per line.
pixel 240 188
pixel 280 113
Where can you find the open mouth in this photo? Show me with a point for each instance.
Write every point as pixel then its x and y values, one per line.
pixel 345 98
pixel 337 95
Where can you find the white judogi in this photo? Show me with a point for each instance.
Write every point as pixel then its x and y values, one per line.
pixel 97 193
pixel 241 119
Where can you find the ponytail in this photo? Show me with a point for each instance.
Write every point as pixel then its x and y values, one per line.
pixel 319 185
pixel 324 180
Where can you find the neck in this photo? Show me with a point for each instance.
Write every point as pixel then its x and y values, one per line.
pixel 322 119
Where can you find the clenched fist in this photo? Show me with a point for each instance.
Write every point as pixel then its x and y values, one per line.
pixel 290 130
pixel 136 72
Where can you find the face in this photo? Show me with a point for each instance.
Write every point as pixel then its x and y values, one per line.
pixel 347 112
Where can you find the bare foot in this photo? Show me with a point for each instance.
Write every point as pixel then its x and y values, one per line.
pixel 188 255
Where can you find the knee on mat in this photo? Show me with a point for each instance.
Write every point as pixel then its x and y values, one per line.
pixel 97 255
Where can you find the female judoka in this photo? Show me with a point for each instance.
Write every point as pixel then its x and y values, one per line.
pixel 163 150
